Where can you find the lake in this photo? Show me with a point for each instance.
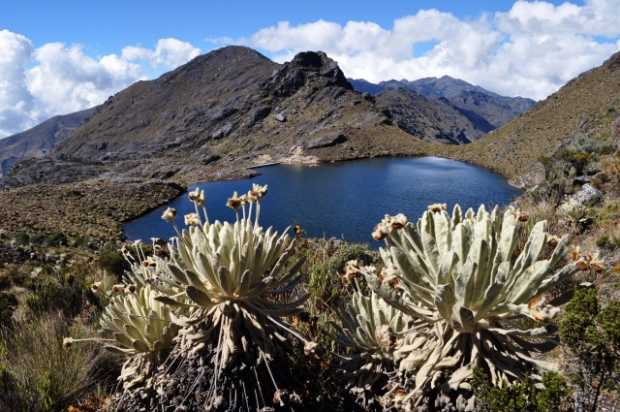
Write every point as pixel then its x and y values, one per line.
pixel 343 200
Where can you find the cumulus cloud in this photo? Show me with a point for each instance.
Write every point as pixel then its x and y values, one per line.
pixel 15 98
pixel 169 52
pixel 530 50
pixel 55 78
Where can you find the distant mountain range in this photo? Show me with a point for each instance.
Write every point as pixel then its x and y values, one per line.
pixel 462 112
pixel 39 140
pixel 234 103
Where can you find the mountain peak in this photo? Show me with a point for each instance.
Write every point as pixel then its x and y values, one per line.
pixel 305 66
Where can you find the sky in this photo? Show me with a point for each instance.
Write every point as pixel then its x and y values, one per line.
pixel 67 55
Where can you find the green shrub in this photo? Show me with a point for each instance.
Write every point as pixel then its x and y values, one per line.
pixel 64 293
pixel 521 396
pixel 22 238
pixel 8 304
pixel 608 242
pixel 112 261
pixel 326 261
pixel 579 159
pixel 591 334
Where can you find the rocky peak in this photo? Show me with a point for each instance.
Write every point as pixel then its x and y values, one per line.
pixel 305 68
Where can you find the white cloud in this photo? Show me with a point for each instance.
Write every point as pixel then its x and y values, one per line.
pixel 55 78
pixel 530 50
pixel 15 99
pixel 168 53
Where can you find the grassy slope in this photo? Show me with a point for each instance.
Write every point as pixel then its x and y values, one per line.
pixel 587 104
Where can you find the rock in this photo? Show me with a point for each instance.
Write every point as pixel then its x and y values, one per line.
pixel 326 141
pixel 588 195
pixel 259 114
pixel 209 158
pixel 280 117
pixel 222 131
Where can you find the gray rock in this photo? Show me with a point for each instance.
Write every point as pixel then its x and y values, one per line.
pixel 588 195
pixel 222 131
pixel 259 114
pixel 280 117
pixel 326 141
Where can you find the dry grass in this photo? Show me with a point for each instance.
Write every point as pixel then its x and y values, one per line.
pixel 41 374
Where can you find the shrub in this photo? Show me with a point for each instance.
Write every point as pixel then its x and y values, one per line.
pixel 112 261
pixel 521 396
pixel 59 292
pixel 579 159
pixel 8 304
pixel 591 335
pixel 326 261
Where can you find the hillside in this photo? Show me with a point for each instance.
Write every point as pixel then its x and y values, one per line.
pixel 587 106
pixel 432 120
pixel 39 140
pixel 482 109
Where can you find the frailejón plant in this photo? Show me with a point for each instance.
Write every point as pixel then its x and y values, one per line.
pixel 137 325
pixel 230 274
pixel 466 277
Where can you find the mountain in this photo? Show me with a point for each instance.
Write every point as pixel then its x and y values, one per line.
pixel 586 108
pixel 484 109
pixel 39 140
pixel 224 108
pixel 432 120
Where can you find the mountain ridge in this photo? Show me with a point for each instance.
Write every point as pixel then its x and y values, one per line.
pixel 485 110
pixel 40 139
pixel 588 106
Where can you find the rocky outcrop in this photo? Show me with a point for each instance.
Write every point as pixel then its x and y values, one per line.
pixel 588 195
pixel 326 141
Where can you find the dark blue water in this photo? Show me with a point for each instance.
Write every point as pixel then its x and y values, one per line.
pixel 344 200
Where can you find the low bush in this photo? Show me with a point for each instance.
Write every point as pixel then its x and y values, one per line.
pixel 65 293
pixel 591 335
pixel 521 396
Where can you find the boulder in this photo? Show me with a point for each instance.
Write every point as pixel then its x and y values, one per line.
pixel 326 141
pixel 222 131
pixel 588 195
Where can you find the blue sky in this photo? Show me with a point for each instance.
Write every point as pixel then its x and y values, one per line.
pixel 58 57
pixel 107 26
